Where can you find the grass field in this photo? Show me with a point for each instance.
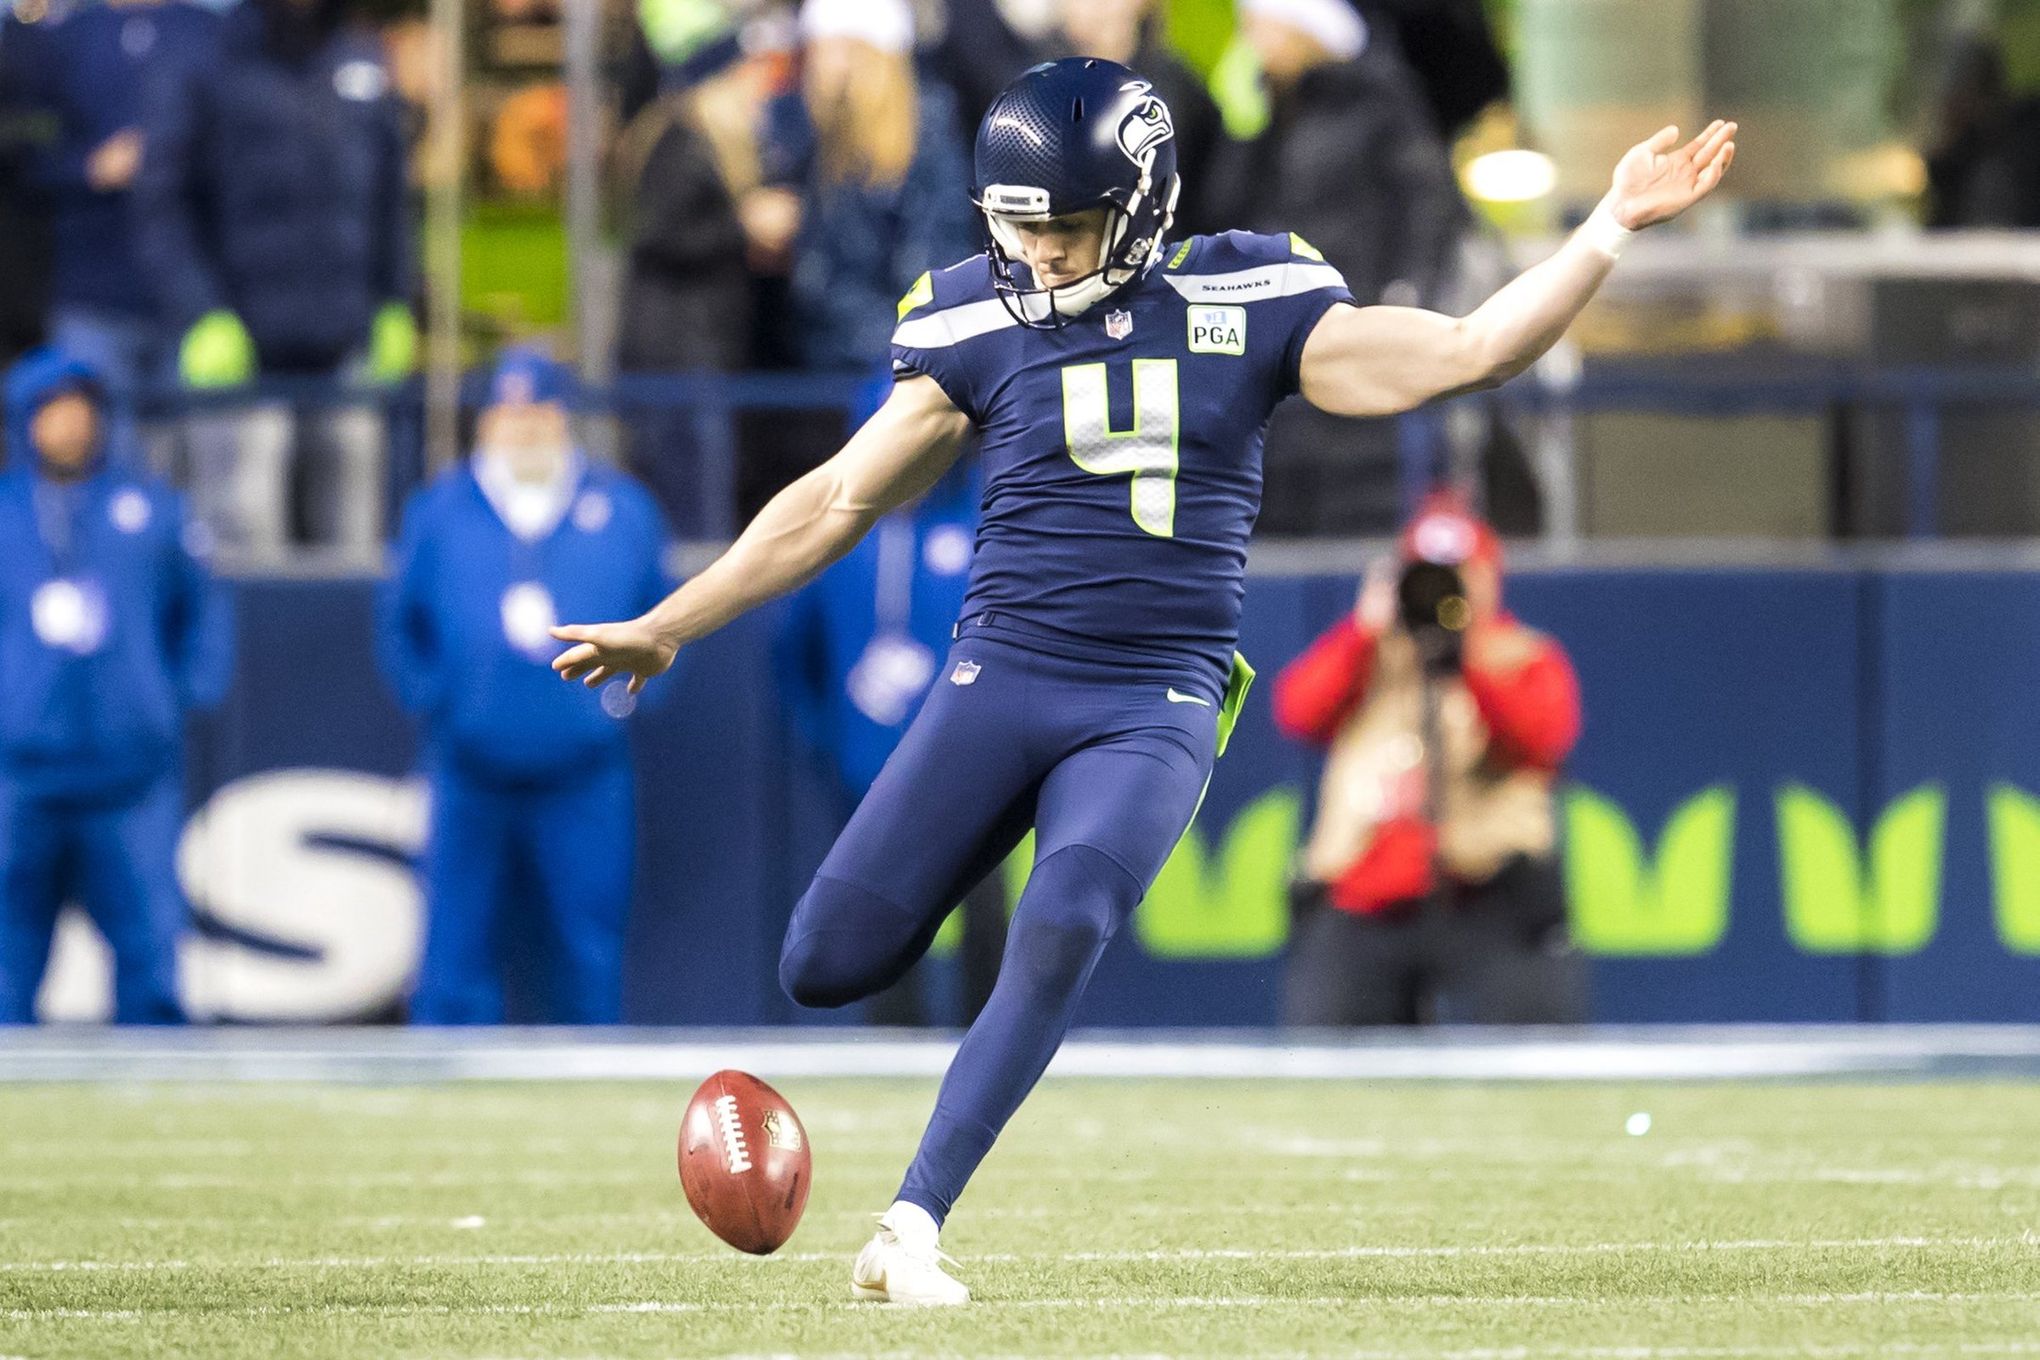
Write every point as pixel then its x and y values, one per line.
pixel 1211 1219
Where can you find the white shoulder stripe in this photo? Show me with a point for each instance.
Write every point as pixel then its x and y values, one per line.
pixel 1286 279
pixel 953 326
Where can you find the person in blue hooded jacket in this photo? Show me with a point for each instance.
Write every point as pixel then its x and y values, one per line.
pixel 855 654
pixel 531 780
pixel 110 632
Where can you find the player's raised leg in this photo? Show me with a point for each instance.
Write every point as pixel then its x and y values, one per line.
pixel 951 803
pixel 1108 817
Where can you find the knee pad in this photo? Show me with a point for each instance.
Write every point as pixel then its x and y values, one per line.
pixel 1072 907
pixel 806 975
pixel 843 945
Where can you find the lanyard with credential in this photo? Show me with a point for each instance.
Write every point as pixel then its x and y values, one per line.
pixel 56 523
pixel 69 611
pixel 894 669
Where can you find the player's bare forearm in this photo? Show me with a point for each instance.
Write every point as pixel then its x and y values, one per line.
pixel 896 456
pixel 1377 361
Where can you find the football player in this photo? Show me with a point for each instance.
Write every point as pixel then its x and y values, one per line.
pixel 1119 383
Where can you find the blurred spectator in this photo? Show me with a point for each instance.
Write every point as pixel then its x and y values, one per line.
pixel 856 653
pixel 83 73
pixel 109 633
pixel 1450 47
pixel 982 46
pixel 886 189
pixel 274 216
pixel 1429 886
pixel 531 779
pixel 1984 169
pixel 528 140
pixel 1130 32
pixel 691 163
pixel 1351 162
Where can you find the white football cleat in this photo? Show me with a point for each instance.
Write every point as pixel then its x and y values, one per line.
pixel 901 1263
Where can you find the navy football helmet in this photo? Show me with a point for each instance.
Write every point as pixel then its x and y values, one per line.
pixel 1065 137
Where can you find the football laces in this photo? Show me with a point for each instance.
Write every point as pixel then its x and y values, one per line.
pixel 735 1148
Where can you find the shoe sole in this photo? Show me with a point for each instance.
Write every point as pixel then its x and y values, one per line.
pixel 862 1293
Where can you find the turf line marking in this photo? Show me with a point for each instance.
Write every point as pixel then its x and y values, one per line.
pixel 1189 1303
pixel 1537 1249
pixel 1163 1255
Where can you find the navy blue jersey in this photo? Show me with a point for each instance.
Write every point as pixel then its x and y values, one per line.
pixel 1122 453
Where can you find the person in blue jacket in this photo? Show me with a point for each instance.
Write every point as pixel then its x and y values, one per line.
pixel 856 652
pixel 81 71
pixel 110 632
pixel 531 780
pixel 274 217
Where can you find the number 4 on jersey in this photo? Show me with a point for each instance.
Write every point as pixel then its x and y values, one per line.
pixel 1148 451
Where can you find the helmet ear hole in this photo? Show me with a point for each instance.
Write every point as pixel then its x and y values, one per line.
pixel 1077 110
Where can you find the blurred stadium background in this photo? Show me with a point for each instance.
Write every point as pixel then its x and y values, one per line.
pixel 1776 497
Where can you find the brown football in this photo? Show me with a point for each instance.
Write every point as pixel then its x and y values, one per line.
pixel 744 1162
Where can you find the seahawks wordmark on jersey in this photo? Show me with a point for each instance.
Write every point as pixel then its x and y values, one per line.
pixel 1122 452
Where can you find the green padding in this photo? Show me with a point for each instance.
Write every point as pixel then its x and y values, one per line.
pixel 1236 687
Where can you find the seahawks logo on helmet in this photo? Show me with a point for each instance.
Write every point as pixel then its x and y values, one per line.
pixel 1144 129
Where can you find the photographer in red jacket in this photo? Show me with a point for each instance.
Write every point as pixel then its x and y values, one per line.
pixel 1429 887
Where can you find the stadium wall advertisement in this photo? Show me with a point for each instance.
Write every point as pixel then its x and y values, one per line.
pixel 1805 794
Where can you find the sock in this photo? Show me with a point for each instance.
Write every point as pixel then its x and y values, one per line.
pixel 911 1223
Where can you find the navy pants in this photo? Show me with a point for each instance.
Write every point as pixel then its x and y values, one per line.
pixel 568 839
pixel 116 856
pixel 1106 761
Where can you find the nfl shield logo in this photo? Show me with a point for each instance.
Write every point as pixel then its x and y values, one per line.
pixel 966 673
pixel 1119 325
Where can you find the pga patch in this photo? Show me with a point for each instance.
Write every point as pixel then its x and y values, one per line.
pixel 1218 330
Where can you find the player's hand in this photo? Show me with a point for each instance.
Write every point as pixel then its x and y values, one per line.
pixel 610 651
pixel 1655 182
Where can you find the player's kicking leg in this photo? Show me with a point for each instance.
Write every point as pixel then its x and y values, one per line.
pixel 947 809
pixel 1108 816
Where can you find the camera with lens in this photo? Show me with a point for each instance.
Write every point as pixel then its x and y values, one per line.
pixel 1431 602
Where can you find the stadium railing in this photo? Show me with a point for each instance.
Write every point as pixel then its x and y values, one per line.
pixel 708 407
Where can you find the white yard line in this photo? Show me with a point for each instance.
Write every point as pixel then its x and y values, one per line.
pixel 1358 1252
pixel 648 1172
pixel 1193 1302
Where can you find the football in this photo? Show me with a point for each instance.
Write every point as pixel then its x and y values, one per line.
pixel 744 1162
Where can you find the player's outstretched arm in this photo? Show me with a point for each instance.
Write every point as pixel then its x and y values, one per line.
pixel 897 455
pixel 1378 361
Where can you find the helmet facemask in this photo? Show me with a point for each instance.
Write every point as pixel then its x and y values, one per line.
pixel 1125 252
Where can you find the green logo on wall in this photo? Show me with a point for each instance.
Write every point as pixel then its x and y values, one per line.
pixel 1226 896
pixel 2015 865
pixel 1623 904
pixel 1835 902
